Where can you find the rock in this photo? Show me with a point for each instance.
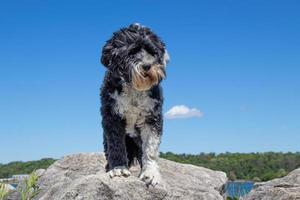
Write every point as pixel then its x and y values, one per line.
pixel 286 188
pixel 40 172
pixel 8 187
pixel 83 176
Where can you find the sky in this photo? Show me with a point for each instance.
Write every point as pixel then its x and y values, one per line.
pixel 232 84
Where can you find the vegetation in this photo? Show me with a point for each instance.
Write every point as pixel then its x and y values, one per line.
pixel 3 191
pixel 243 166
pixel 232 198
pixel 7 170
pixel 30 188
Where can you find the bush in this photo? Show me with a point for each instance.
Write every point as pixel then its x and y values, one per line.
pixel 30 188
pixel 3 191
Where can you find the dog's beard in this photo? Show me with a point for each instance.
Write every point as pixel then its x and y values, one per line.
pixel 143 81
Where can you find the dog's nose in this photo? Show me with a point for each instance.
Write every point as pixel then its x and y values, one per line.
pixel 146 67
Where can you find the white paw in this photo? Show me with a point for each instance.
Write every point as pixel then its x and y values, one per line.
pixel 150 175
pixel 119 171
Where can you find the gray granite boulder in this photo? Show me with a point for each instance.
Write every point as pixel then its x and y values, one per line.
pixel 83 177
pixel 286 188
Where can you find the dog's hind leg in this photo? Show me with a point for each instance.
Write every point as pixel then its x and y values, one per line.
pixel 105 151
pixel 134 150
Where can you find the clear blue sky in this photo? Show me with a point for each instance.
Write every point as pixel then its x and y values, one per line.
pixel 238 62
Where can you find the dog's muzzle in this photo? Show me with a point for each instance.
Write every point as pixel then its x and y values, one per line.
pixel 146 76
pixel 146 67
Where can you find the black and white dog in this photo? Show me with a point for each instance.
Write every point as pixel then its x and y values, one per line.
pixel 132 100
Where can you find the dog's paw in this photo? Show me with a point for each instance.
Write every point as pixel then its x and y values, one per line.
pixel 119 171
pixel 150 175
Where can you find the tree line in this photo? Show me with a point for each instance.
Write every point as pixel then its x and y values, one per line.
pixel 238 166
pixel 18 167
pixel 243 166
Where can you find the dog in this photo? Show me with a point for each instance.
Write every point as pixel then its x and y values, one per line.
pixel 131 101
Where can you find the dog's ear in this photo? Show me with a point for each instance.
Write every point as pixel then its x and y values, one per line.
pixel 106 54
pixel 113 51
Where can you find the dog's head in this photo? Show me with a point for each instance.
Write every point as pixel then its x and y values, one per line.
pixel 137 56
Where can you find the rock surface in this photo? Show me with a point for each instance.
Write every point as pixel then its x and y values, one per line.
pixel 83 176
pixel 8 188
pixel 286 188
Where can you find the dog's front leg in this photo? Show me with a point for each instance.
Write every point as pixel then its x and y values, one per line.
pixel 150 145
pixel 116 149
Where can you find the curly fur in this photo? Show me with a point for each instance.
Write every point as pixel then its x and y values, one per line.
pixel 131 98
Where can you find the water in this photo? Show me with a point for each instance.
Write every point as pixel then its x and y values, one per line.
pixel 238 188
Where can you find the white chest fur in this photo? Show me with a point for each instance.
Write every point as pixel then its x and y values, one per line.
pixel 134 106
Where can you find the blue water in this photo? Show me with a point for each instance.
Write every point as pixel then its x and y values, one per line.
pixel 238 188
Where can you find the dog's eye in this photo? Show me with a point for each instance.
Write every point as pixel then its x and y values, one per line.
pixel 150 50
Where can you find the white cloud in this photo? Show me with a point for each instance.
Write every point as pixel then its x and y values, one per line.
pixel 182 111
